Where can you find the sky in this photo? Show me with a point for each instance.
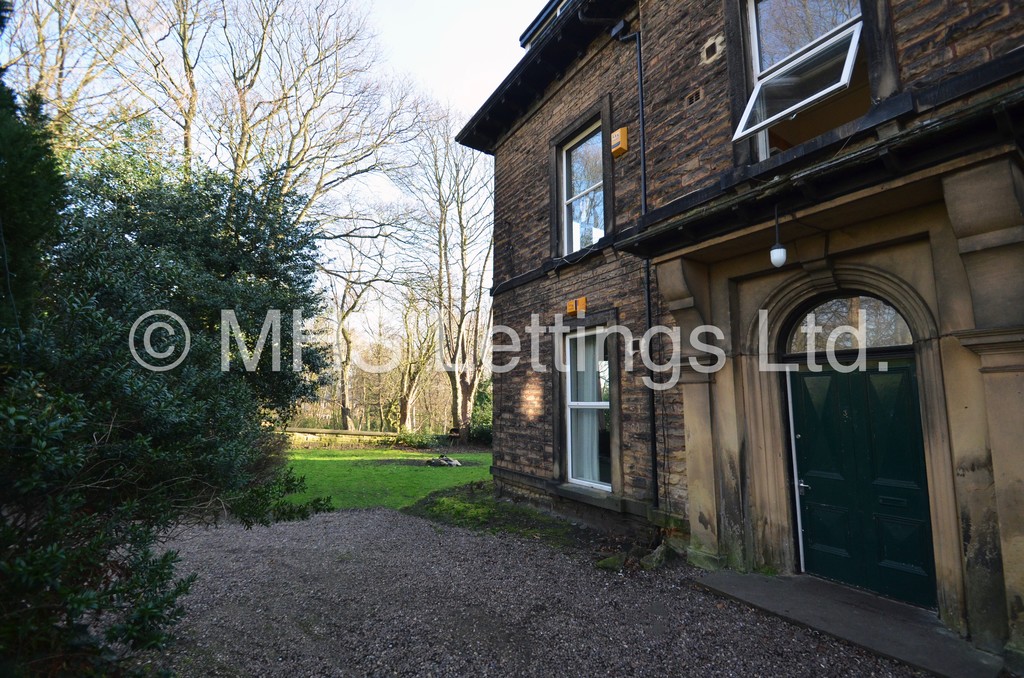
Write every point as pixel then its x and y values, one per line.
pixel 458 51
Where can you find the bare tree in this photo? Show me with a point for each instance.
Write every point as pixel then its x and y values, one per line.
pixel 452 242
pixel 377 385
pixel 50 50
pixel 352 275
pixel 165 44
pixel 288 89
pixel 418 345
pixel 301 98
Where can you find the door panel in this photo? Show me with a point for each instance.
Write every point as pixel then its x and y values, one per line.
pixel 830 526
pixel 860 461
pixel 826 467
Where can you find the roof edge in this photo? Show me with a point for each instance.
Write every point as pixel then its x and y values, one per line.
pixel 552 51
pixel 539 21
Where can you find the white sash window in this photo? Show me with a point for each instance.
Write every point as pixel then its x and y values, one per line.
pixel 582 191
pixel 588 410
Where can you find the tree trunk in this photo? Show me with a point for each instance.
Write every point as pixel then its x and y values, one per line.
pixel 456 389
pixel 342 396
pixel 406 408
pixel 469 388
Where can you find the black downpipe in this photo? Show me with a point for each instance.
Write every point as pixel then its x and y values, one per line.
pixel 651 419
pixel 617 33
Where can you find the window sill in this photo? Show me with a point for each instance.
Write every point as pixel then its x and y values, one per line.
pixel 557 263
pixel 599 498
pixel 577 493
pixel 885 111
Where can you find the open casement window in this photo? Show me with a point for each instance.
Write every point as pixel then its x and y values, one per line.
pixel 588 410
pixel 810 73
pixel 582 190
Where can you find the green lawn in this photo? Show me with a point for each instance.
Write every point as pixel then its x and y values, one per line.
pixel 389 478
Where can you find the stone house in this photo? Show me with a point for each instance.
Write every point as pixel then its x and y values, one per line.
pixel 718 171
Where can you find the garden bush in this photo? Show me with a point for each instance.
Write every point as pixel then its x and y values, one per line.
pixel 421 441
pixel 100 457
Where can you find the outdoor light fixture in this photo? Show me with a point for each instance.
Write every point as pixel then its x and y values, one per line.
pixel 778 252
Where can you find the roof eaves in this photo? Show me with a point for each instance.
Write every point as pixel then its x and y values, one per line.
pixel 550 53
pixel 538 23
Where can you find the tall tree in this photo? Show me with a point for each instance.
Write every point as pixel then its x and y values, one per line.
pixel 267 88
pixel 451 241
pixel 31 195
pixel 419 342
pixel 300 96
pixel 160 47
pixel 60 51
pixel 351 276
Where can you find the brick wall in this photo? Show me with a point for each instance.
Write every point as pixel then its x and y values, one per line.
pixel 689 142
pixel 525 410
pixel 689 131
pixel 522 162
pixel 524 406
pixel 936 39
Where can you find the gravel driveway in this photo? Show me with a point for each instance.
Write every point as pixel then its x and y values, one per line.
pixel 378 592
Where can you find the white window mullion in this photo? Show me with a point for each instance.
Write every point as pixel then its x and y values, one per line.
pixel 753 35
pixel 584 192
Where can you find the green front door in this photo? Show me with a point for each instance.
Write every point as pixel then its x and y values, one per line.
pixel 862 488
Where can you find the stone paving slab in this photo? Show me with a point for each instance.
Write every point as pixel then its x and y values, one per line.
pixel 909 634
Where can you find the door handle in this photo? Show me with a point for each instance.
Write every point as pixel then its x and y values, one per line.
pixel 803 487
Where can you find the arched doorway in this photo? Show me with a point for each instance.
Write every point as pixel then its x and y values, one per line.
pixel 861 489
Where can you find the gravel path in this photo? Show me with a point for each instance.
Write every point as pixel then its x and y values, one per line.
pixel 380 593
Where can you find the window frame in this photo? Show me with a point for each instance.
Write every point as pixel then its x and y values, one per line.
pixel 851 27
pixel 797 319
pixel 568 404
pixel 599 114
pixel 566 201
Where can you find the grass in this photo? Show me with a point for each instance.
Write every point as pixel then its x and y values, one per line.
pixel 387 478
pixel 461 496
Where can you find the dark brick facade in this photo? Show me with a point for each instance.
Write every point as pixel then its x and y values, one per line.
pixel 526 414
pixel 689 143
pixel 694 97
pixel 918 202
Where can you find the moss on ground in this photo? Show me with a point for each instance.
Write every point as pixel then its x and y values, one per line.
pixel 475 506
